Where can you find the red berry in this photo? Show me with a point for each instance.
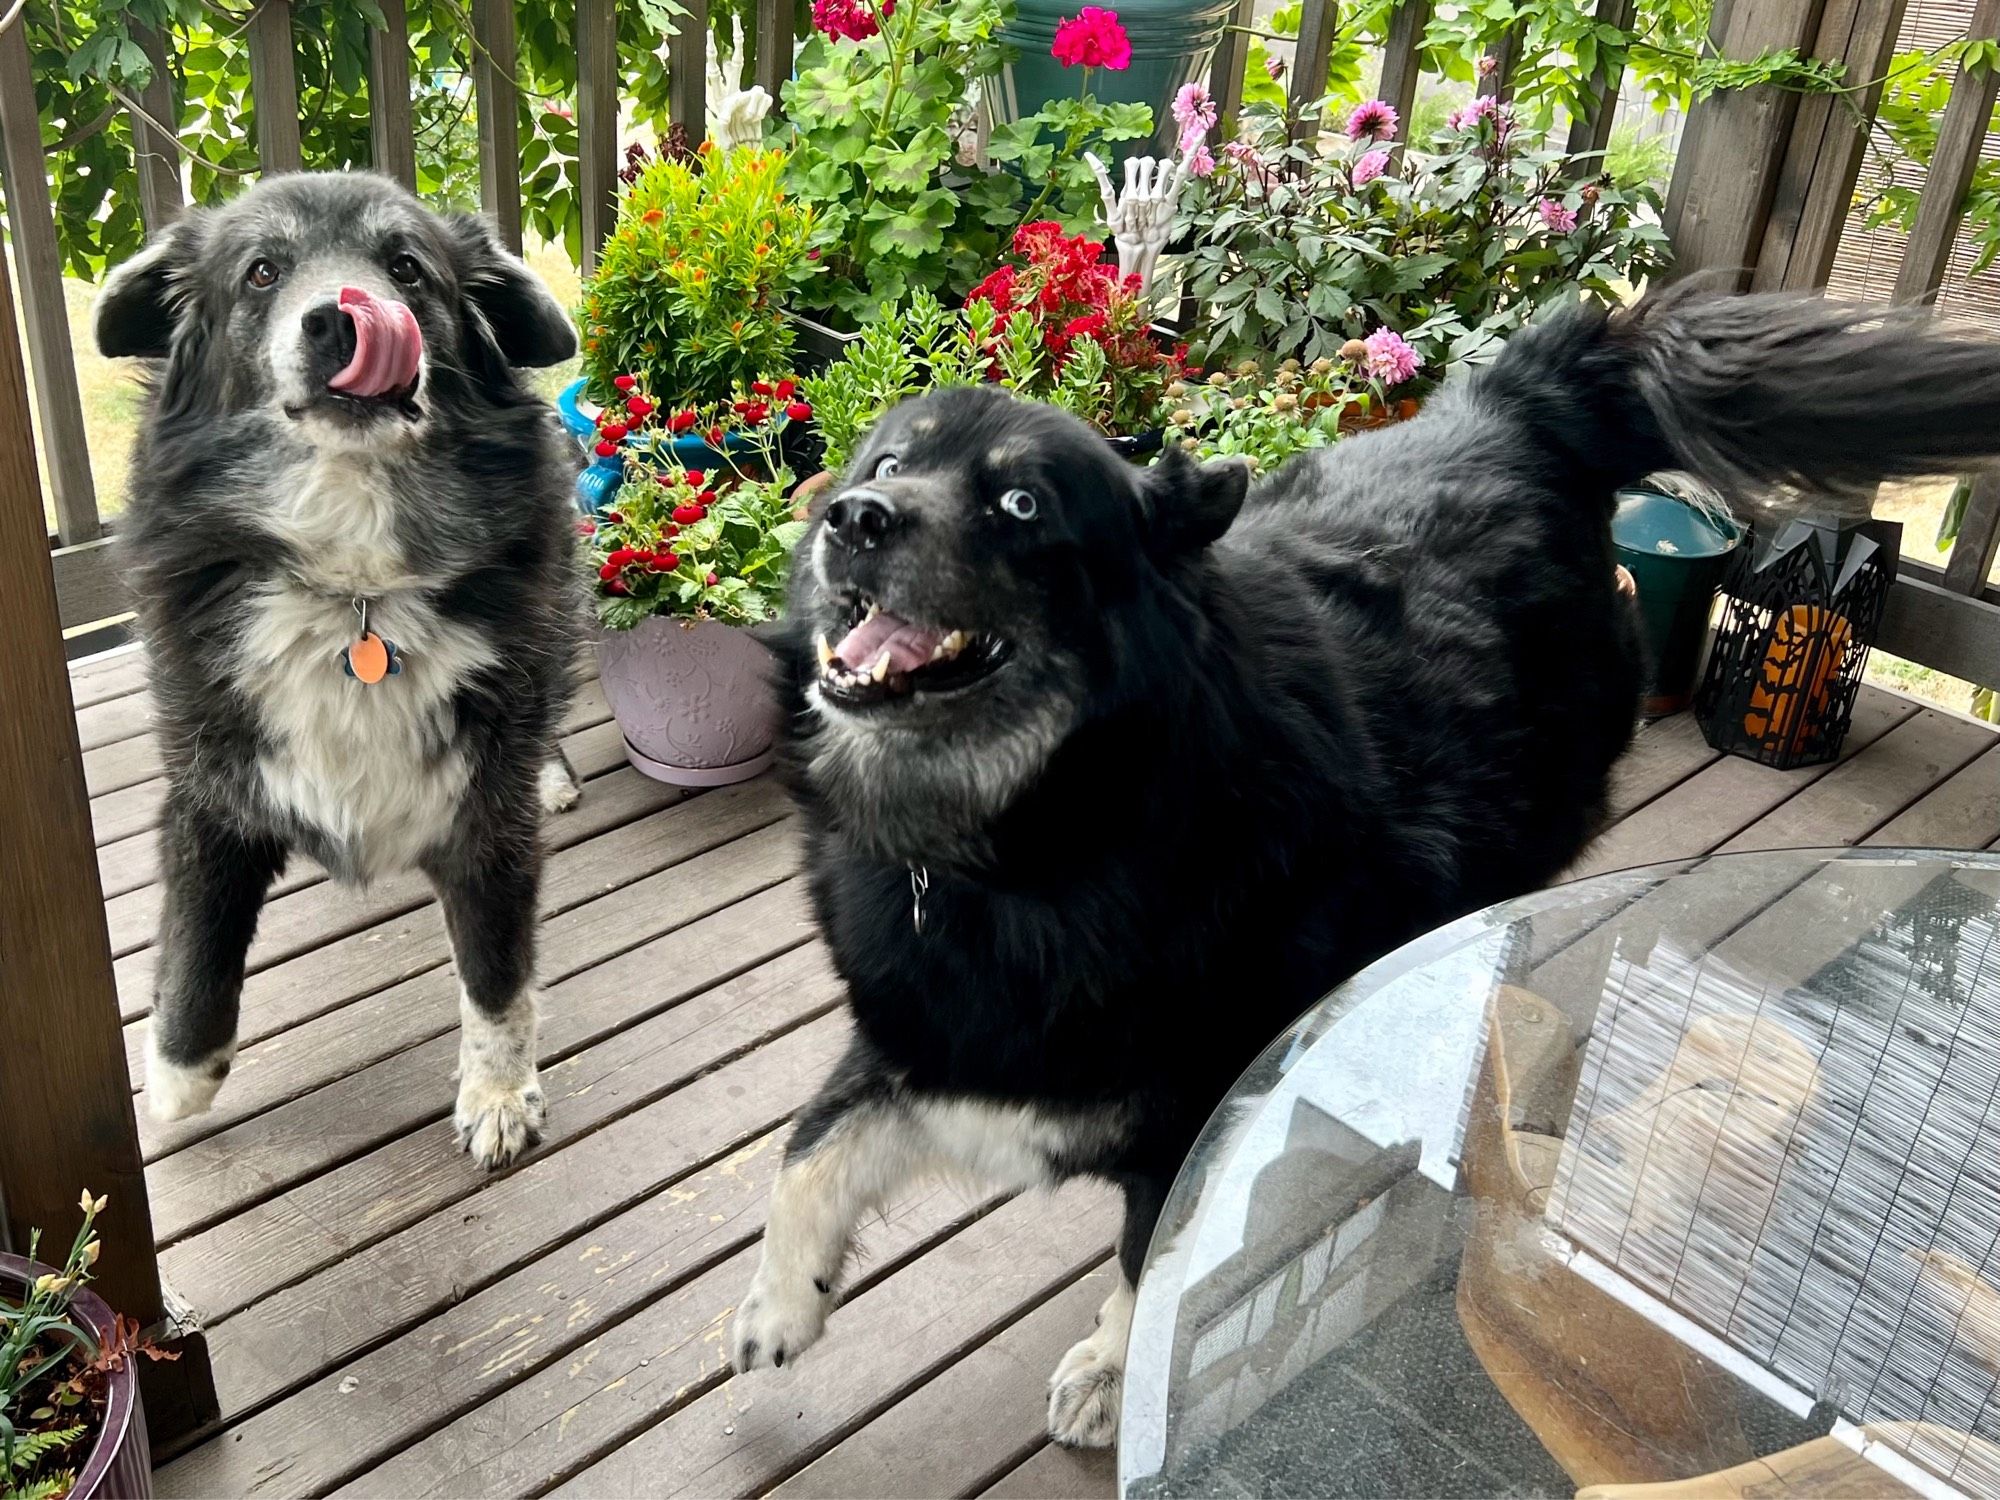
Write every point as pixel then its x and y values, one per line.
pixel 687 515
pixel 607 450
pixel 669 561
pixel 713 580
pixel 625 382
pixel 799 411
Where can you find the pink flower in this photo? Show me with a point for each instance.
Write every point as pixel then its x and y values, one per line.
pixel 1376 120
pixel 1370 167
pixel 1200 162
pixel 1488 65
pixel 1390 360
pixel 1559 219
pixel 1242 153
pixel 1092 38
pixel 1484 108
pixel 848 20
pixel 1193 107
pixel 1275 66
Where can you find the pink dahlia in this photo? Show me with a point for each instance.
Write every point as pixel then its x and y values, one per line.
pixel 1370 167
pixel 1390 360
pixel 1092 38
pixel 1199 161
pixel 1559 219
pixel 1376 121
pixel 1193 107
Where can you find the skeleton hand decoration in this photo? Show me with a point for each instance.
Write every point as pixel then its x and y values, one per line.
pixel 1142 216
pixel 739 119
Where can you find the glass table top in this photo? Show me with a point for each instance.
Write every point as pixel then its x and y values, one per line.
pixel 1685 1178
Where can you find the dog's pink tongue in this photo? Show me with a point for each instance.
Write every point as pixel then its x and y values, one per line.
pixel 910 646
pixel 387 345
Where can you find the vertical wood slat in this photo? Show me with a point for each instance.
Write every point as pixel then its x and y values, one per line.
pixel 774 49
pixel 156 152
pixel 391 126
pixel 64 1089
pixel 1815 187
pixel 31 221
pixel 1972 554
pixel 1734 143
pixel 1225 70
pixel 1402 60
pixel 1590 133
pixel 1318 21
pixel 498 99
pixel 687 71
pixel 597 122
pixel 274 87
pixel 1961 133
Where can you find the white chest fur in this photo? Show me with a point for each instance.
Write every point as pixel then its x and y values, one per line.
pixel 372 766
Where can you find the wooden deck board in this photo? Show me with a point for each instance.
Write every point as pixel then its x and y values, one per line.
pixel 385 1319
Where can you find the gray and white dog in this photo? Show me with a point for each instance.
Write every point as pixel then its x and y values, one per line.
pixel 350 544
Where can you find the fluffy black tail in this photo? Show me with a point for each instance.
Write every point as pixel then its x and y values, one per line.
pixel 1755 393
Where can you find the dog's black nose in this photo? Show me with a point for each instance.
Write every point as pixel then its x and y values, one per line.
pixel 329 334
pixel 861 518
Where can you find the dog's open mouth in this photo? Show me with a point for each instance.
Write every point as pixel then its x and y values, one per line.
pixel 885 658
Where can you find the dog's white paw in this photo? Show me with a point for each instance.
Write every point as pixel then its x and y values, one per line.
pixel 497 1121
pixel 559 789
pixel 1084 1396
pixel 176 1090
pixel 779 1320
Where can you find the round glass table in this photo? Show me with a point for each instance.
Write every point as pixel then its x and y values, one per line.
pixel 1678 1182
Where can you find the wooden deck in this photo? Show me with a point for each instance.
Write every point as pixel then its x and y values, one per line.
pixel 385 1320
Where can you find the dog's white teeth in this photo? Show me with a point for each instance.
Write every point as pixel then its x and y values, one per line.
pixel 881 668
pixel 874 609
pixel 949 647
pixel 825 652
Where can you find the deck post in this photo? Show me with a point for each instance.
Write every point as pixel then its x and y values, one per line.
pixel 391 130
pixel 687 72
pixel 1319 20
pixel 498 101
pixel 774 50
pixel 274 87
pixel 1225 70
pixel 156 151
pixel 32 222
pixel 1402 62
pixel 1590 132
pixel 1960 138
pixel 66 1120
pixel 596 123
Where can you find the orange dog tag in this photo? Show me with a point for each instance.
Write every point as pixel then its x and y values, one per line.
pixel 368 658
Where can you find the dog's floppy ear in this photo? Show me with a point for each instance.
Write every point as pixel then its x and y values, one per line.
pixel 1186 505
pixel 525 322
pixel 135 312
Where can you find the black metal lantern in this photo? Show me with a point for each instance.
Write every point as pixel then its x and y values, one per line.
pixel 1800 607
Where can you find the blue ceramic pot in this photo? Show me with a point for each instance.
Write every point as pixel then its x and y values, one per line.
pixel 1675 553
pixel 599 482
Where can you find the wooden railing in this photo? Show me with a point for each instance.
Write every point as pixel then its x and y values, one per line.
pixel 1762 184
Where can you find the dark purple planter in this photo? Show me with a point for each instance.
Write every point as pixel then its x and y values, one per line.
pixel 694 700
pixel 120 1464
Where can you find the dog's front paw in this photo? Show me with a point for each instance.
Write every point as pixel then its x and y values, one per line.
pixel 1084 1396
pixel 778 1321
pixel 497 1121
pixel 559 788
pixel 176 1090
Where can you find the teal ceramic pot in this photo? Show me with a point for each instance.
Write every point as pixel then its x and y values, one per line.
pixel 599 482
pixel 1172 43
pixel 1675 553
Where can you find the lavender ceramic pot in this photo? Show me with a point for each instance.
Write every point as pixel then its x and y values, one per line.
pixel 120 1464
pixel 694 700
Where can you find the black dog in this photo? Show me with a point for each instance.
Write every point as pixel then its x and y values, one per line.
pixel 337 455
pixel 1107 774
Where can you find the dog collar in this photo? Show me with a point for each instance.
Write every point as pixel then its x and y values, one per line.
pixel 369 658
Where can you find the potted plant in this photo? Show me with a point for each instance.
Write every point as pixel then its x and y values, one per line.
pixel 1295 249
pixel 908 187
pixel 1267 418
pixel 70 1420
pixel 681 566
pixel 685 300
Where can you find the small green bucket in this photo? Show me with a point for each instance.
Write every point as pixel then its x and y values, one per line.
pixel 1172 42
pixel 1675 553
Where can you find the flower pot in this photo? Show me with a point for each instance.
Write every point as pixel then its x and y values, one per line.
pixel 119 1466
pixel 817 345
pixel 1675 553
pixel 694 699
pixel 600 479
pixel 1172 43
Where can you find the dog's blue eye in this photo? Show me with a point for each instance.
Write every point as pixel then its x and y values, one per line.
pixel 887 465
pixel 1019 504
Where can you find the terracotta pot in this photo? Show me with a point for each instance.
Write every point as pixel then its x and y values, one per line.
pixel 694 700
pixel 120 1463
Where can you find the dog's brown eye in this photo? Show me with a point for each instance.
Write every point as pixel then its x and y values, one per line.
pixel 1019 504
pixel 887 465
pixel 406 270
pixel 262 274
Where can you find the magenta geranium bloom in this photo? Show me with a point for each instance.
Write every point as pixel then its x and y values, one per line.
pixel 1092 38
pixel 848 20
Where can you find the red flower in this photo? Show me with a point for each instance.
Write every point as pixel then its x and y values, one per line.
pixel 669 561
pixel 607 450
pixel 622 556
pixel 848 20
pixel 705 499
pixel 659 563
pixel 625 382
pixel 799 411
pixel 640 407
pixel 812 255
pixel 695 478
pixel 608 572
pixel 714 436
pixel 616 518
pixel 615 586
pixel 1090 325
pixel 713 580
pixel 785 389
pixel 753 412
pixel 615 430
pixel 681 421
pixel 760 387
pixel 687 515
